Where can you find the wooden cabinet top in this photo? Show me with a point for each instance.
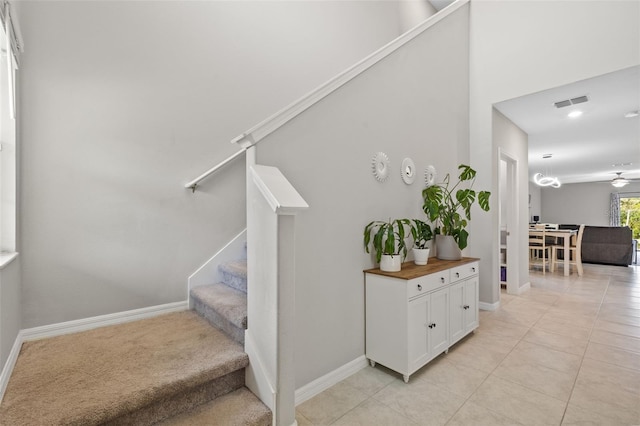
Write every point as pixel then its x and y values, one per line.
pixel 410 270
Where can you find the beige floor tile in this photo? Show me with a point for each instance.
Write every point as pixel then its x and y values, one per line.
pixel 561 327
pixel 579 320
pixel 484 359
pixel 473 414
pixel 330 405
pixel 617 328
pixel 545 356
pixel 370 380
pixel 522 319
pixel 420 401
pixel 617 340
pixel 372 412
pixel 579 416
pixel 518 402
pixel 556 341
pixel 620 319
pixel 549 381
pixel 613 308
pixel 502 329
pixel 302 420
pixel 458 378
pixel 608 389
pixel 613 355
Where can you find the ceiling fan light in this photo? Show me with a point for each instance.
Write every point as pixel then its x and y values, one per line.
pixel 619 182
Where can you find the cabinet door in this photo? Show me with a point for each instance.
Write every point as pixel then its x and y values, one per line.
pixel 471 304
pixel 418 332
pixel 457 312
pixel 438 322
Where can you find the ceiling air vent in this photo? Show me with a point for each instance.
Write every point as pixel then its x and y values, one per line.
pixel 573 101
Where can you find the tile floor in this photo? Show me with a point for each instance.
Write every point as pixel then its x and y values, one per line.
pixel 566 352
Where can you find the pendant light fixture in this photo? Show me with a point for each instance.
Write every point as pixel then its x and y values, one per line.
pixel 546 180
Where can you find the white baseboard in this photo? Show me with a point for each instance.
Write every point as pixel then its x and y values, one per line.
pixel 9 364
pixel 488 306
pixel 320 384
pixel 75 326
pixel 525 287
pixel 101 321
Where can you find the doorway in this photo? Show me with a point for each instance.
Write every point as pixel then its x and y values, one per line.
pixel 509 227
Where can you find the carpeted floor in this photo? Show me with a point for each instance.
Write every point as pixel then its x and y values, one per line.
pixel 100 375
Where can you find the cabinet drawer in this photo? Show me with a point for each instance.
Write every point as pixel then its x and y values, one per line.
pixel 427 283
pixel 464 271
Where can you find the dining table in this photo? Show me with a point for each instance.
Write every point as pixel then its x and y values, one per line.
pixel 564 234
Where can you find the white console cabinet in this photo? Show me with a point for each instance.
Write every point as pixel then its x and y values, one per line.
pixel 414 315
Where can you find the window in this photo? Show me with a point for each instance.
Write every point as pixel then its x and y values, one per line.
pixel 8 208
pixel 630 213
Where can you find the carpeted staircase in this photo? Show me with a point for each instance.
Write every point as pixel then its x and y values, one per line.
pixel 174 369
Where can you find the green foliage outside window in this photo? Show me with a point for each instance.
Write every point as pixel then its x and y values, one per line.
pixel 630 214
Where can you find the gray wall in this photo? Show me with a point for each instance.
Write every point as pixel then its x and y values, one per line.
pixel 577 203
pixel 326 153
pixel 522 47
pixel 123 102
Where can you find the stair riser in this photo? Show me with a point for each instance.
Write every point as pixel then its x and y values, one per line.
pixel 234 281
pixel 217 320
pixel 186 400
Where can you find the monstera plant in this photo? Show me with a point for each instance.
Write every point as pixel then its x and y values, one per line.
pixel 448 206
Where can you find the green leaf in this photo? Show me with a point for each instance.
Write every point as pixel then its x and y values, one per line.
pixel 466 172
pixel 483 200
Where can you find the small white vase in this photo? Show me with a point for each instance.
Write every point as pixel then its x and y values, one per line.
pixel 447 248
pixel 420 256
pixel 389 263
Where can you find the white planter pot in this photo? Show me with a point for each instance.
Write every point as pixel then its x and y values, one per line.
pixel 390 263
pixel 420 256
pixel 447 248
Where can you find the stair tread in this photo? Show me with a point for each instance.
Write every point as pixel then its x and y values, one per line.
pixel 226 301
pixel 235 267
pixel 237 408
pixel 98 375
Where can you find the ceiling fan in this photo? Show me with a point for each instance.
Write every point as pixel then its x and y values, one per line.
pixel 619 181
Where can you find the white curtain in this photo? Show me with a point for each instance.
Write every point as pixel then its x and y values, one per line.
pixel 614 211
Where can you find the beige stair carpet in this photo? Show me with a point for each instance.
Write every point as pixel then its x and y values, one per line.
pixel 152 368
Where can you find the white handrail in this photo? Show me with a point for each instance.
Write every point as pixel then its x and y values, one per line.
pixel 194 183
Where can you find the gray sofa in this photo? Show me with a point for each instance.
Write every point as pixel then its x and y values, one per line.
pixel 609 245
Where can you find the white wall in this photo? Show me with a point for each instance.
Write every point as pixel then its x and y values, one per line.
pixel 577 203
pixel 513 141
pixel 123 102
pixel 522 47
pixel 326 153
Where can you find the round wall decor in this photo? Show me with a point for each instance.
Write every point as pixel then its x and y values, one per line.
pixel 408 171
pixel 430 176
pixel 380 164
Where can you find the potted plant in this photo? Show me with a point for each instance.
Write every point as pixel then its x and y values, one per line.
pixel 450 208
pixel 422 234
pixel 388 242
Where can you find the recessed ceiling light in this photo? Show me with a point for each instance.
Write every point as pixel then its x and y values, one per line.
pixel 574 114
pixel 632 114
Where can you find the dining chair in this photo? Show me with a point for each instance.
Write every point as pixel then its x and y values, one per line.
pixel 538 249
pixel 575 252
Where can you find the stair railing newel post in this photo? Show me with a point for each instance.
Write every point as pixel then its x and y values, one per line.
pixel 272 206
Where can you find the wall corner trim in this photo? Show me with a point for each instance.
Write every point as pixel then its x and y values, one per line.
pixel 320 384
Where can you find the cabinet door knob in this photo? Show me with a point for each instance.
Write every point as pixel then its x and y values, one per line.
pixel 457 274
pixel 442 279
pixel 466 306
pixel 419 287
pixel 473 269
